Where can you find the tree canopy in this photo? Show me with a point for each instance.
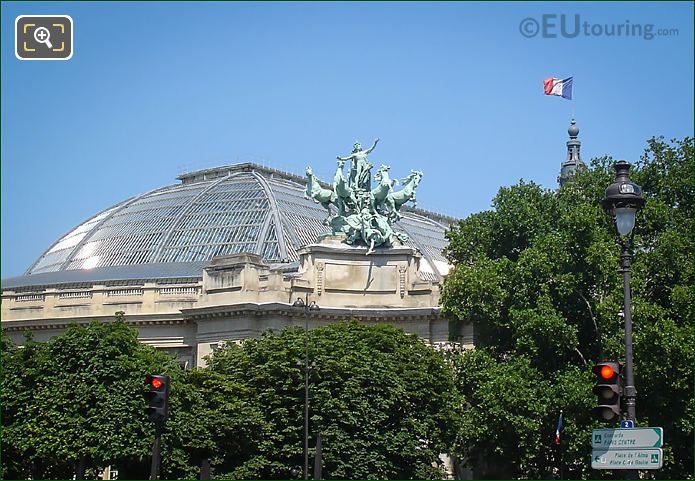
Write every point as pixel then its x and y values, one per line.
pixel 79 395
pixel 538 276
pixel 78 400
pixel 383 401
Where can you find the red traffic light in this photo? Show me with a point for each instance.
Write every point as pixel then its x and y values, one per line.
pixel 155 382
pixel 157 397
pixel 608 389
pixel 607 372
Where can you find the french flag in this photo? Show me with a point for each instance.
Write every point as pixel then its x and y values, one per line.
pixel 561 88
pixel 558 430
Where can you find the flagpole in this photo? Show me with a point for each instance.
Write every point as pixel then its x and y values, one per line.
pixel 558 442
pixel 562 464
pixel 572 100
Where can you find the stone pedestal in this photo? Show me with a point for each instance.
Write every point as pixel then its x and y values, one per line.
pixel 337 274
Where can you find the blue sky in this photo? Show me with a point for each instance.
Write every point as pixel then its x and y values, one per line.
pixel 453 89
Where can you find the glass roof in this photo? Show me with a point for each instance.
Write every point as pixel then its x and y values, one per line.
pixel 233 209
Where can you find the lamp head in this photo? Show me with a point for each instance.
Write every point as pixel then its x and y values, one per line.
pixel 298 303
pixel 623 198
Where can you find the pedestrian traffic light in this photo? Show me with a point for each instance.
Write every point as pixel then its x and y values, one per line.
pixel 608 389
pixel 157 396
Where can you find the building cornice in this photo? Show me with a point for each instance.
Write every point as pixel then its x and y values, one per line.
pixel 375 314
pixel 57 323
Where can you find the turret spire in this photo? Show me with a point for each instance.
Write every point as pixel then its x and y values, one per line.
pixel 573 161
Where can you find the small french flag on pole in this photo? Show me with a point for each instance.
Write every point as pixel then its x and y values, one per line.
pixel 558 430
pixel 561 88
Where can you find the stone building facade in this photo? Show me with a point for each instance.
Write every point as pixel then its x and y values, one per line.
pixel 222 256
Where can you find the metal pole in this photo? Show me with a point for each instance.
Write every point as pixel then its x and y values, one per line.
pixel 306 388
pixel 156 452
pixel 81 466
pixel 205 469
pixel 630 390
pixel 317 459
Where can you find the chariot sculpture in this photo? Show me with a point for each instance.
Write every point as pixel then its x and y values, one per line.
pixel 364 214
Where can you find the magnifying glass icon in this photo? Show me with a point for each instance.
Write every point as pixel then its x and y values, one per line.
pixel 43 35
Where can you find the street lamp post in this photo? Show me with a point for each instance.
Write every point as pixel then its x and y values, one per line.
pixel 622 199
pixel 304 303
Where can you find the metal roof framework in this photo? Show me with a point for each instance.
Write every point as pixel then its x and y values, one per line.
pixel 222 211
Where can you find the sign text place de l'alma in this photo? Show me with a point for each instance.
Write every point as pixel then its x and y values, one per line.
pixel 627 459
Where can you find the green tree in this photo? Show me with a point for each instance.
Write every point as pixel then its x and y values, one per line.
pixel 383 401
pixel 212 417
pixel 538 277
pixel 78 400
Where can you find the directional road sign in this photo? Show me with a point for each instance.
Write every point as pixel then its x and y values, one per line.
pixel 627 458
pixel 627 438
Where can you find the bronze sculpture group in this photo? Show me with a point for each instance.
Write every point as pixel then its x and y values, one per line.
pixel 363 214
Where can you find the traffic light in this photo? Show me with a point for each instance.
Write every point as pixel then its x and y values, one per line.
pixel 608 389
pixel 158 397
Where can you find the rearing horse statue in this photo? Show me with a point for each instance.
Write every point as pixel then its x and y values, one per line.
pixel 394 200
pixel 323 196
pixel 385 184
pixel 342 189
